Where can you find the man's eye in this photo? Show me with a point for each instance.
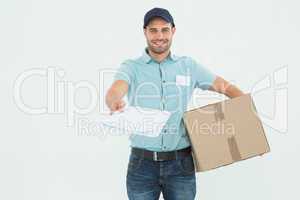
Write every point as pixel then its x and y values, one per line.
pixel 166 30
pixel 153 31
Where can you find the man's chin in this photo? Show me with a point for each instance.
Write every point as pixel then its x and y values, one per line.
pixel 159 50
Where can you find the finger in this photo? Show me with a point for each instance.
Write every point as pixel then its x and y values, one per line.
pixel 123 104
pixel 112 110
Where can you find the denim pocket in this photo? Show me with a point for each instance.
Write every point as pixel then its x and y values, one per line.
pixel 134 162
pixel 187 165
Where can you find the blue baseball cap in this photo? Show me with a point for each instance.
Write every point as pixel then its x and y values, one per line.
pixel 158 12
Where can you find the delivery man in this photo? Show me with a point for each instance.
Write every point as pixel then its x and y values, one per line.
pixel 160 80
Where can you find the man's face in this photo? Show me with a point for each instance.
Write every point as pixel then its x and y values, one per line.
pixel 159 34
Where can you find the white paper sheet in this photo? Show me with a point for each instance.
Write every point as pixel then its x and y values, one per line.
pixel 137 120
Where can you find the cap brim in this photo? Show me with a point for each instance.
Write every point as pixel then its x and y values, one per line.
pixel 160 16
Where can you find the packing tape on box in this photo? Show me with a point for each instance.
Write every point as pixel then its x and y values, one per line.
pixel 233 147
pixel 219 115
pixel 234 150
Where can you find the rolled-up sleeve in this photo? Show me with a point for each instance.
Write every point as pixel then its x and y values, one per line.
pixel 125 72
pixel 203 77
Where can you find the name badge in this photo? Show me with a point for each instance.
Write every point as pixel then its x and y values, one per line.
pixel 183 80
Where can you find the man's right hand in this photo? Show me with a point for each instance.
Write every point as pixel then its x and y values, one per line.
pixel 115 94
pixel 117 106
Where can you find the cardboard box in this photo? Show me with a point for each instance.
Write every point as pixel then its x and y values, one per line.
pixel 225 132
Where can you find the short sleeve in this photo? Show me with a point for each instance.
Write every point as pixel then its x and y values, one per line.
pixel 125 72
pixel 203 77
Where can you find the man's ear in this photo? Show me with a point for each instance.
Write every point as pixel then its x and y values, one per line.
pixel 144 29
pixel 173 30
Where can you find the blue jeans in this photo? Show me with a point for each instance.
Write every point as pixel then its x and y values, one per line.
pixel 146 179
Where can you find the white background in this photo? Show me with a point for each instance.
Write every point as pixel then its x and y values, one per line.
pixel 41 157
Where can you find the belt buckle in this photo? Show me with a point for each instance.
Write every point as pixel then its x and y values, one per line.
pixel 155 157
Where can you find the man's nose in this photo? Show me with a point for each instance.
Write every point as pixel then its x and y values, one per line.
pixel 159 35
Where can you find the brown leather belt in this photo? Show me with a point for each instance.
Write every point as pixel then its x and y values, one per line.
pixel 161 156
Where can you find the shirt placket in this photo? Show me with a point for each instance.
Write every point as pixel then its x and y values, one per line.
pixel 163 99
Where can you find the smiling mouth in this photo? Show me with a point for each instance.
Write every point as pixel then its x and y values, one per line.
pixel 159 43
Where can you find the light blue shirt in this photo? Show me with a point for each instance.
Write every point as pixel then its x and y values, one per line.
pixel 167 85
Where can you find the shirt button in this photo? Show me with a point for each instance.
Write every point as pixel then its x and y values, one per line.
pixel 164 81
pixel 165 131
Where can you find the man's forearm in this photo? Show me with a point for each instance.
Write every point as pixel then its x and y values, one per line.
pixel 222 86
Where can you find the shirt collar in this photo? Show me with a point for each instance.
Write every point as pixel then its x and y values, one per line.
pixel 147 58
